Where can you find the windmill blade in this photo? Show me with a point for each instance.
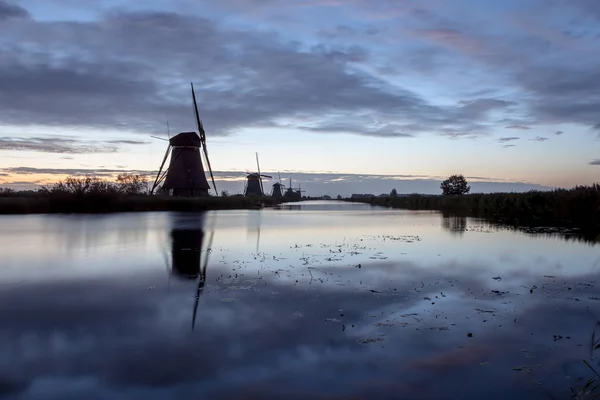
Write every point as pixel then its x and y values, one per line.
pixel 198 122
pixel 259 175
pixel 203 139
pixel 212 177
pixel 156 181
pixel 279 175
pixel 202 277
pixel 159 138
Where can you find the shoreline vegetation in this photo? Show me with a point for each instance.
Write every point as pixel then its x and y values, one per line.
pixel 577 208
pixel 127 194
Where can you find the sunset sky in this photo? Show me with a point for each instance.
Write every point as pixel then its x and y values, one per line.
pixel 375 94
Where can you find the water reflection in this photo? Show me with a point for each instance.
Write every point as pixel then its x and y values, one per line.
pixel 187 237
pixel 301 319
pixel 253 228
pixel 455 224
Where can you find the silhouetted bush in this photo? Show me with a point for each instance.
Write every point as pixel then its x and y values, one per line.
pixel 578 207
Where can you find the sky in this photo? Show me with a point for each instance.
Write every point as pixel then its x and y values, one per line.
pixel 344 97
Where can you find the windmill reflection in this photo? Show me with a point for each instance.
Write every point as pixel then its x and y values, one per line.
pixel 253 226
pixel 455 224
pixel 187 238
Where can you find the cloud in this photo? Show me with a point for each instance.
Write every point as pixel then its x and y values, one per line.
pixel 345 31
pixel 131 71
pixel 507 146
pixel 508 139
pixel 63 145
pixel 100 172
pixel 595 162
pixel 539 139
pixel 134 142
pixel 523 127
pixel 558 132
pixel 11 10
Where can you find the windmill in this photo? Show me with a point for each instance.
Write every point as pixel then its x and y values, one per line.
pixel 185 175
pixel 293 194
pixel 277 188
pixel 254 185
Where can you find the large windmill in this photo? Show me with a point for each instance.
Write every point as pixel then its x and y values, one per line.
pixel 278 188
pixel 185 175
pixel 254 185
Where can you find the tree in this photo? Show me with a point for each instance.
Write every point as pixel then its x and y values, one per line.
pixel 394 193
pixel 455 185
pixel 339 197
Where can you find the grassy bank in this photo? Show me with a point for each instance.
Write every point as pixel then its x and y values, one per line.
pixel 575 208
pixel 29 204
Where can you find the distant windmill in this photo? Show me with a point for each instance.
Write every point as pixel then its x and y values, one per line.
pixel 293 194
pixel 185 175
pixel 254 184
pixel 277 188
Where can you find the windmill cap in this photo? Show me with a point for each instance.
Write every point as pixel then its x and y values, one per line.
pixel 185 139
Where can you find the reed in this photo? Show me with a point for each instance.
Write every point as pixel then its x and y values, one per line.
pixel 578 207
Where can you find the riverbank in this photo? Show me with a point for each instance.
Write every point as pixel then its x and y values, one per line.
pixel 49 204
pixel 573 208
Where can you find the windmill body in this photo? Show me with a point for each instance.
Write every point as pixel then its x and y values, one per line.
pixel 277 193
pixel 186 176
pixel 254 186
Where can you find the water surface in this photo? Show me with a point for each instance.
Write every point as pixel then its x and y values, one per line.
pixel 313 300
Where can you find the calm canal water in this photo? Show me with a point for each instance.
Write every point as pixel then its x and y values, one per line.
pixel 323 300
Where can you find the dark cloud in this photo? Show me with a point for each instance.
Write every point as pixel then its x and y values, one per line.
pixel 345 31
pixel 548 69
pixel 63 145
pixel 558 132
pixel 524 127
pixel 10 9
pixel 52 145
pixel 100 172
pixel 119 73
pixel 539 139
pixel 508 139
pixel 482 106
pixel 385 131
pixel 595 162
pixel 135 142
